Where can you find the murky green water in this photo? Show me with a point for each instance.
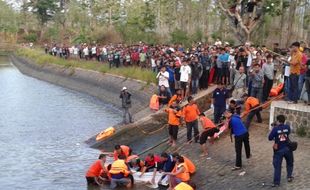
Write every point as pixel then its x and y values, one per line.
pixel 42 129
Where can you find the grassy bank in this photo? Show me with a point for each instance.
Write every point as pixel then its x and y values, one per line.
pixel 41 58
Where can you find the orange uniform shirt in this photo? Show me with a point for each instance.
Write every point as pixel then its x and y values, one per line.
pixel 207 123
pixel 173 116
pixel 191 112
pixel 295 63
pixel 125 150
pixel 250 103
pixel 95 169
pixel 190 165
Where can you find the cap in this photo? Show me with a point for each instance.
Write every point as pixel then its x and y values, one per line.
pixel 124 88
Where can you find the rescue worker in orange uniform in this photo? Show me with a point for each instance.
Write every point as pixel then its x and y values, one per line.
pixel 179 174
pixel 190 165
pixel 209 130
pixel 191 114
pixel 120 173
pixel 96 170
pixel 174 115
pixel 251 103
pixel 121 150
pixel 176 98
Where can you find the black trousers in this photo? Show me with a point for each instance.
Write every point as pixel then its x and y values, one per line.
pixel 204 79
pixel 238 148
pixel 266 88
pixel 190 126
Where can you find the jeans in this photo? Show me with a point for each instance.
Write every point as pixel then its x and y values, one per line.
pixel 294 87
pixel 277 164
pixel 251 115
pixel 125 113
pixel 218 112
pixel 267 87
pixel 238 148
pixel 301 80
pixel 257 93
pixel 172 88
pixel 195 85
pixel 190 126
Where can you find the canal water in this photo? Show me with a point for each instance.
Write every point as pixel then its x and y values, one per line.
pixel 42 129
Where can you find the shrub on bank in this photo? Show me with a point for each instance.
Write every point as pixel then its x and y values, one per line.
pixel 39 57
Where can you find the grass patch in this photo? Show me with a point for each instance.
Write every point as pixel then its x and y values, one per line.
pixel 301 131
pixel 39 57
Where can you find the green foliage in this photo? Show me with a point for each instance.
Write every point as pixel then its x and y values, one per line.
pixel 39 57
pixel 32 37
pixel 301 131
pixel 179 37
pixel 275 7
pixel 44 9
pixel 8 18
pixel 197 36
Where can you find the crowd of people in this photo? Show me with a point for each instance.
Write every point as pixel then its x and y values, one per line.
pixel 245 76
pixel 245 67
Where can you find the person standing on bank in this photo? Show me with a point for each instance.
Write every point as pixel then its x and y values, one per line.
pixel 191 114
pixel 126 104
pixel 219 102
pixel 280 134
pixel 241 135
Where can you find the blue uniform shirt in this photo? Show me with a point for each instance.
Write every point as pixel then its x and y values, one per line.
pixel 220 97
pixel 280 135
pixel 169 164
pixel 237 126
pixel 171 74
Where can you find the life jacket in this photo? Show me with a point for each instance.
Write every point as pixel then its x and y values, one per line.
pixel 119 167
pixel 276 90
pixel 125 151
pixel 183 186
pixel 95 169
pixel 190 165
pixel 105 134
pixel 154 103
pixel 184 176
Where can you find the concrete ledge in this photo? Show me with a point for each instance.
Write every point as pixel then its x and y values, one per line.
pixel 297 115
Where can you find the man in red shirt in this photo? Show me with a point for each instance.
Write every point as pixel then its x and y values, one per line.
pixel 191 113
pixel 96 170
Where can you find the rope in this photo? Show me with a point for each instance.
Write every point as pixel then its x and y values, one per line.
pixel 264 105
pixel 153 132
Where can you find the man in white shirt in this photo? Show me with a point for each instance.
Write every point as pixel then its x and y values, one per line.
pixel 185 78
pixel 163 77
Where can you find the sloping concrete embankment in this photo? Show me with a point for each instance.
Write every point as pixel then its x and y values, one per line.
pixel 105 87
pixel 147 131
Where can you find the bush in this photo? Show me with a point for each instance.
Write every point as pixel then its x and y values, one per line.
pixel 301 131
pixel 179 37
pixel 31 37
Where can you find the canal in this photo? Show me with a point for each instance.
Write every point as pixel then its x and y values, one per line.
pixel 42 129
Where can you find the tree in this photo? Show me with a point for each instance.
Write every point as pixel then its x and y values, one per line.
pixel 243 28
pixel 44 9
